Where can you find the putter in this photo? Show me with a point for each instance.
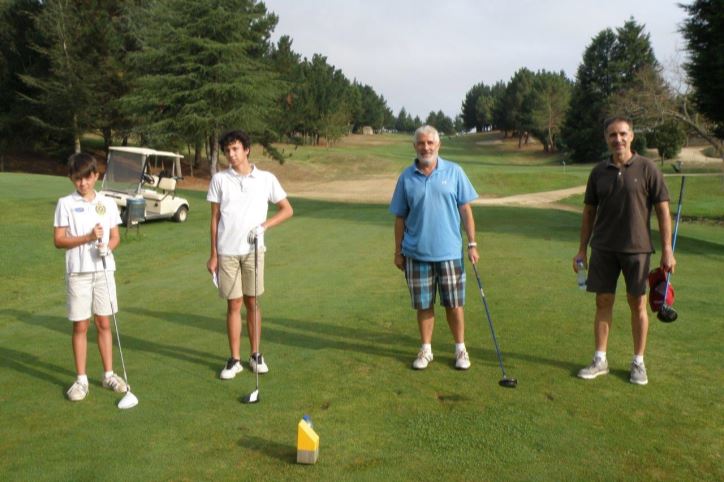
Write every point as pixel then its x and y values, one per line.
pixel 668 314
pixel 129 400
pixel 253 397
pixel 505 381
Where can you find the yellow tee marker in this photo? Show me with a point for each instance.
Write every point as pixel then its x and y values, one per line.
pixel 307 442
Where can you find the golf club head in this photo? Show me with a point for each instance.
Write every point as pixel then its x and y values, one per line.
pixel 129 400
pixel 253 397
pixel 508 382
pixel 667 314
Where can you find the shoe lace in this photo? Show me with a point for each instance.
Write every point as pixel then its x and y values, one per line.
pixel 78 387
pixel 114 381
pixel 462 355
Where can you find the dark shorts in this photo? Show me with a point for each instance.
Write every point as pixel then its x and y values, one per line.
pixel 605 266
pixel 424 278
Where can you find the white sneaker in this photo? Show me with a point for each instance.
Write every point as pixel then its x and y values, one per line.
pixel 638 374
pixel 597 368
pixel 462 360
pixel 257 363
pixel 423 359
pixel 232 367
pixel 115 383
pixel 77 391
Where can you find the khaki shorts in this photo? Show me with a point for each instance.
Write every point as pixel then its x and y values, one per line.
pixel 88 294
pixel 236 276
pixel 604 268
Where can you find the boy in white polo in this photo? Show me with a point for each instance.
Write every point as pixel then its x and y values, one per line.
pixel 86 226
pixel 240 197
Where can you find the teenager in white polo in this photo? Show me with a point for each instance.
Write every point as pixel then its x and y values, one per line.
pixel 86 226
pixel 240 197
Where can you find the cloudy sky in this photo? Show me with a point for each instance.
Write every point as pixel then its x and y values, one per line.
pixel 425 55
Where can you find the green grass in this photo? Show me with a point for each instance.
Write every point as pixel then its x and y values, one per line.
pixel 339 337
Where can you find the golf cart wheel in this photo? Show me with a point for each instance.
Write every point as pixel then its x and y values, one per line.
pixel 181 215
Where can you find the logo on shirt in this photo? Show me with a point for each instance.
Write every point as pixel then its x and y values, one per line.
pixel 79 210
pixel 100 209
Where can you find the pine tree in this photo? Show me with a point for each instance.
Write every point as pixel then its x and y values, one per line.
pixel 203 68
pixel 83 43
pixel 610 64
pixel 704 33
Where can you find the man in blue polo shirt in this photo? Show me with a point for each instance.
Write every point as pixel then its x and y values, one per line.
pixel 432 196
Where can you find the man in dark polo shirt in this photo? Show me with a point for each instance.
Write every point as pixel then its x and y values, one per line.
pixel 620 194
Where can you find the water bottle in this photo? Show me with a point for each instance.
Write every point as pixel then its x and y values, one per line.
pixel 581 274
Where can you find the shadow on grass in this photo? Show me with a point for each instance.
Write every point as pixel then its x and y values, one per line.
pixel 276 450
pixel 34 366
pixel 310 335
pixel 306 334
pixel 181 353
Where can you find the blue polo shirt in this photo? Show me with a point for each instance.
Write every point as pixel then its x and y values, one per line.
pixel 430 206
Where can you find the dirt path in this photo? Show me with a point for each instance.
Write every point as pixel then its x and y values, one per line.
pixel 379 190
pixel 546 199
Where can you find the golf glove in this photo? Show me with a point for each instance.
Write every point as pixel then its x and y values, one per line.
pixel 103 250
pixel 255 233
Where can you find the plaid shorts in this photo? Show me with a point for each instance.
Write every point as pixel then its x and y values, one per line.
pixel 424 278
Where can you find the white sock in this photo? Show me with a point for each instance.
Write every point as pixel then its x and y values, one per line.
pixel 638 359
pixel 460 347
pixel 82 379
pixel 601 355
pixel 427 347
pixel 108 374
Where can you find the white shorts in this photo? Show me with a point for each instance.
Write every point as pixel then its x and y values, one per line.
pixel 89 295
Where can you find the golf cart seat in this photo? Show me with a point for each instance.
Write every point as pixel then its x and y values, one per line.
pixel 167 185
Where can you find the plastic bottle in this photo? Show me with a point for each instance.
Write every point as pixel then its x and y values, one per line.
pixel 581 274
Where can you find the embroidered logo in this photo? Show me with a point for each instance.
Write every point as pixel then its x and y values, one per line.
pixel 100 209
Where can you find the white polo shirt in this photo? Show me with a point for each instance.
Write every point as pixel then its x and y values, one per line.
pixel 80 216
pixel 244 204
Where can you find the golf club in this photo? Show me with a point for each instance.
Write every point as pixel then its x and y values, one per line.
pixel 505 381
pixel 253 397
pixel 129 400
pixel 668 314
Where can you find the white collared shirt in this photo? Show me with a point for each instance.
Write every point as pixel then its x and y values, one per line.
pixel 80 217
pixel 244 204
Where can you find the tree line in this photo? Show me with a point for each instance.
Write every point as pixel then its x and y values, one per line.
pixel 168 72
pixel 179 72
pixel 619 75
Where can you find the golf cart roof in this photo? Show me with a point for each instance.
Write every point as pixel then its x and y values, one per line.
pixel 145 151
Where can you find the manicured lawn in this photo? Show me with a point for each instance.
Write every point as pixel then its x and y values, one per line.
pixel 339 337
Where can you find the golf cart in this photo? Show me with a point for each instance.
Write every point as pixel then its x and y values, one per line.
pixel 139 194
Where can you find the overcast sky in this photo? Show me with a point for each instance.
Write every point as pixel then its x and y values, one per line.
pixel 424 55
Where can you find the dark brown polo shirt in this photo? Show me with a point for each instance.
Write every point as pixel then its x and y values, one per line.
pixel 624 199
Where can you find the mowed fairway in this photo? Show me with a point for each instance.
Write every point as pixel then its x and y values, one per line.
pixel 339 337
